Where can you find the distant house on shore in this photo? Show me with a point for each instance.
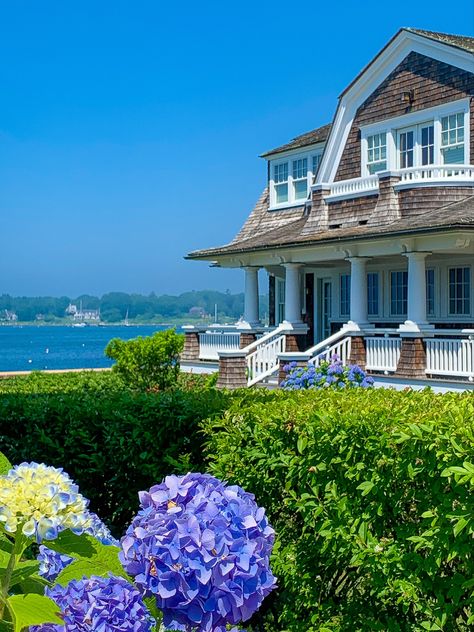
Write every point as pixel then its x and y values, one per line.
pixel 10 316
pixel 87 314
pixel 365 229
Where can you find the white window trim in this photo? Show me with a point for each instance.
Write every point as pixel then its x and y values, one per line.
pixel 289 158
pixel 454 267
pixel 391 127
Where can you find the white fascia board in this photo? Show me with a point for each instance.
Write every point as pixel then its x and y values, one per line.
pixel 307 149
pixel 369 81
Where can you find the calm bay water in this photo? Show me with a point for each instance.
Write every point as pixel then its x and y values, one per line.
pixel 29 348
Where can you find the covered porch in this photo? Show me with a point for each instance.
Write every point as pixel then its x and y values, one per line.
pixel 398 307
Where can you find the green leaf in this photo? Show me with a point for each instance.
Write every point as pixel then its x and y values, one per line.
pixel 31 610
pixel 150 603
pixel 459 526
pixel 22 571
pixel 5 465
pixel 301 444
pixel 366 486
pixel 95 555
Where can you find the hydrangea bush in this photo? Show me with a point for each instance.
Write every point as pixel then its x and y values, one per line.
pixel 329 373
pixel 197 552
pixel 202 549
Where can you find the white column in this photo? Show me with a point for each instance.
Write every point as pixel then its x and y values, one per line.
pixel 292 293
pixel 251 308
pixel 416 304
pixel 358 317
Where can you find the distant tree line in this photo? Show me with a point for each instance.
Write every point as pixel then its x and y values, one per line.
pixel 115 306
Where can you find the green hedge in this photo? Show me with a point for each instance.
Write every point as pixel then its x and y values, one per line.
pixel 371 495
pixel 113 442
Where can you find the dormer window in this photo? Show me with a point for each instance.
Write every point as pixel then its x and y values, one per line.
pixel 280 179
pixel 435 136
pixel 452 139
pixel 376 152
pixel 291 178
pixel 300 178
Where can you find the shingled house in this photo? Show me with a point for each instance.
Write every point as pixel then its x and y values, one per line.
pixel 366 228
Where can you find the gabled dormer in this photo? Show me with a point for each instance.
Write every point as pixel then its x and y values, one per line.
pixel 292 168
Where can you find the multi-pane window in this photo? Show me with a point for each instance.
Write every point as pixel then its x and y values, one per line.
pixel 280 178
pixel 373 293
pixel 398 293
pixel 460 291
pixel 300 178
pixel 315 163
pixel 406 142
pixel 427 144
pixel 377 152
pixel 345 302
pixel 452 139
pixel 430 291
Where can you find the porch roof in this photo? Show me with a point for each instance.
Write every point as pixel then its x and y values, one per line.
pixel 291 233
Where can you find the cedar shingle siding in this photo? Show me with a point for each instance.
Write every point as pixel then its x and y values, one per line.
pixel 434 83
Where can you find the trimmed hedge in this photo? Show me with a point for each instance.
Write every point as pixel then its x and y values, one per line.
pixel 112 442
pixel 371 495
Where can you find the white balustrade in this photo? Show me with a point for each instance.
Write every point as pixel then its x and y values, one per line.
pixel 263 361
pixel 341 349
pixel 436 174
pixel 382 354
pixel 353 187
pixel 211 342
pixel 451 357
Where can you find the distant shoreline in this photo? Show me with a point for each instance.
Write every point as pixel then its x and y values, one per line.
pixel 117 324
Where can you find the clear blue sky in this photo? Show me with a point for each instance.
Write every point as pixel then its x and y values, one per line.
pixel 130 131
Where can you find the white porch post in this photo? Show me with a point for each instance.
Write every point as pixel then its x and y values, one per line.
pixel 292 293
pixel 251 307
pixel 358 313
pixel 416 303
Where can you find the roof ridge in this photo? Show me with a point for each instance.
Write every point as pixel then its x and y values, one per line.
pixel 415 29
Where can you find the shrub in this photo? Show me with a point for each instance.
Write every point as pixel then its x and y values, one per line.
pixel 111 440
pixel 328 374
pixel 370 494
pixel 147 363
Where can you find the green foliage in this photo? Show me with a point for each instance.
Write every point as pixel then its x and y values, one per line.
pixel 32 609
pixel 112 441
pixel 371 496
pixel 146 363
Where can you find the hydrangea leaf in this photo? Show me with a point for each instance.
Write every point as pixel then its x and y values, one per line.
pixel 32 610
pixel 87 549
pixel 5 465
pixel 150 603
pixel 23 570
pixel 92 567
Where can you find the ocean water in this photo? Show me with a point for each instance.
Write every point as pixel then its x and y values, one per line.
pixel 29 348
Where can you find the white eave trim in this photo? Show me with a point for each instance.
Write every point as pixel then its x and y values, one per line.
pixel 402 45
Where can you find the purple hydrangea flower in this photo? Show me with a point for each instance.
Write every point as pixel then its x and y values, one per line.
pixel 52 563
pixel 202 548
pixel 99 604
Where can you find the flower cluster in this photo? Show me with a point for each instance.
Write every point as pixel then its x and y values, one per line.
pixel 202 549
pixel 52 563
pixel 105 604
pixel 327 374
pixel 42 501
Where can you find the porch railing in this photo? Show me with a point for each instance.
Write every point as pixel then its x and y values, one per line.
pixel 382 354
pixel 338 344
pixel 211 342
pixel 450 357
pixel 262 355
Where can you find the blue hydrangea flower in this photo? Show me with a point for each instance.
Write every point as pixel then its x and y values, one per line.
pixel 99 604
pixel 52 563
pixel 331 373
pixel 202 548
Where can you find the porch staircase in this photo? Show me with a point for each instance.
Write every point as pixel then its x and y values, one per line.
pixel 262 356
